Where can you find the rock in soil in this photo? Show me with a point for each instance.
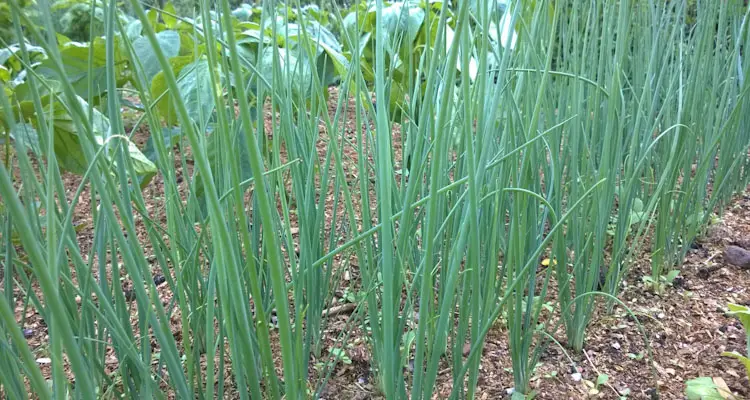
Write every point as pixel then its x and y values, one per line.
pixel 159 279
pixel 744 243
pixel 737 256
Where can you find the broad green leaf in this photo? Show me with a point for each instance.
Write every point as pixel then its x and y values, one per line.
pixel 517 396
pixel 638 205
pixel 171 138
pixel 144 168
pixel 397 96
pixel 67 145
pixel 168 16
pixel 4 74
pixel 75 56
pixel 134 29
pixel 353 27
pixel 169 41
pixel 248 40
pixel 702 388
pixel 295 69
pixel 194 84
pixel 67 142
pixel 671 275
pixel 160 90
pixel 404 18
pixel 316 33
pixel 313 11
pixel 153 19
pixel 340 62
pixel 243 13
pixel 251 35
pixel 10 56
pixel 637 217
pixel 323 45
pixel 62 39
pixel 22 90
pixel 744 360
pixel 187 44
pixel 742 313
pixel 26 136
pixel 402 23
pixel 637 214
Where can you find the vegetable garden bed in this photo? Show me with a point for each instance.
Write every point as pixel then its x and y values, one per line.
pixel 396 200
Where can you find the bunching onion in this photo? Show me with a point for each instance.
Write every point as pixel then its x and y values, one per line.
pixel 543 145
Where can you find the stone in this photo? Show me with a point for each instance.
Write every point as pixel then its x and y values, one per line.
pixel 737 256
pixel 744 243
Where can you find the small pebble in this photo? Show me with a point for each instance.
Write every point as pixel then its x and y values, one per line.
pixel 159 279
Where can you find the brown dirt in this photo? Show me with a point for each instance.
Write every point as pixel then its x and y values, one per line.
pixel 686 326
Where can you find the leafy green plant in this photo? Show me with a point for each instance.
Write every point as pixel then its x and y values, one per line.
pixel 7 33
pixel 743 314
pixel 85 63
pixel 704 388
pixel 596 386
pixel 406 37
pixel 12 71
pixel 707 388
pixel 79 20
pixel 340 355
pixel 664 281
pixel 636 217
pixel 411 32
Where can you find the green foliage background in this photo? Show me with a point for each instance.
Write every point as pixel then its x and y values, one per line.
pixel 6 23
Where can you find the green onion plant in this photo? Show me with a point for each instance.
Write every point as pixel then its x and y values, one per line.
pixel 502 134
